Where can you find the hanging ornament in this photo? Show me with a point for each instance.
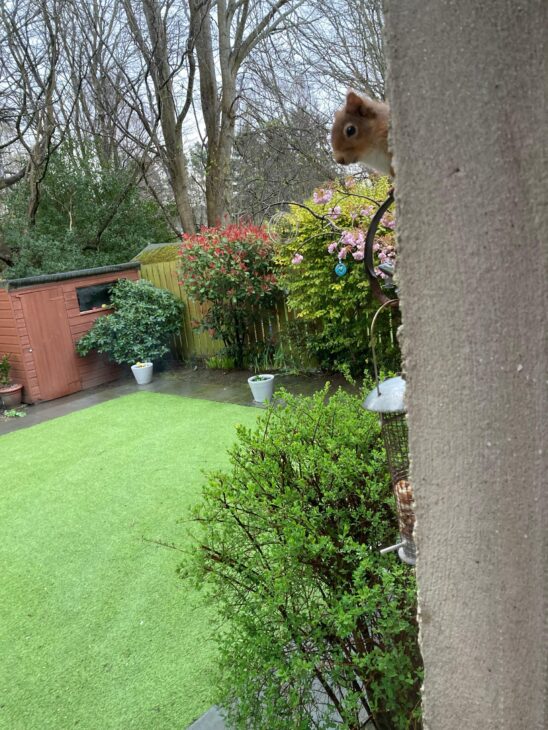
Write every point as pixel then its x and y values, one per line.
pixel 340 269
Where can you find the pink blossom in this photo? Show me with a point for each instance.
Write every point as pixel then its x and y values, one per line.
pixel 332 247
pixel 387 223
pixel 347 238
pixel 376 246
pixel 335 212
pixel 366 211
pixel 322 196
pixel 297 259
pixel 349 183
pixel 343 253
pixel 358 255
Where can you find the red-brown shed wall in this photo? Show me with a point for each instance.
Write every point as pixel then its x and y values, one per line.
pixel 93 369
pixel 10 343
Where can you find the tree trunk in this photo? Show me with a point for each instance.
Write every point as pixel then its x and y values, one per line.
pixel 467 88
pixel 157 60
pixel 179 184
pixel 218 167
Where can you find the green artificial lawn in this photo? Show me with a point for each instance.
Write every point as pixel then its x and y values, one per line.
pixel 97 631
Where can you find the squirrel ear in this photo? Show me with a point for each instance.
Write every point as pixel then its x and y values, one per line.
pixel 356 104
pixel 353 102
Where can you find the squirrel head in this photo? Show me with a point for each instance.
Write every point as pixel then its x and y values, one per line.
pixel 360 133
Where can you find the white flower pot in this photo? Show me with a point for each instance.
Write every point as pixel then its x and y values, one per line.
pixel 262 389
pixel 143 373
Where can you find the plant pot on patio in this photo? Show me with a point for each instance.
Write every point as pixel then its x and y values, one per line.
pixel 142 372
pixel 10 395
pixel 262 387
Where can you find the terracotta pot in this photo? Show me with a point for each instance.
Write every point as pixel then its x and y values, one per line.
pixel 10 395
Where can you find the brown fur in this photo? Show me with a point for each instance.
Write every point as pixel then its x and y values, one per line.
pixel 368 120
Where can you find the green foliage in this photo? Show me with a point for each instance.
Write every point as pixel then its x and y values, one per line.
pixel 14 413
pixel 139 329
pixel 290 553
pixel 230 269
pixel 220 362
pixel 338 310
pixel 44 254
pixel 5 368
pixel 88 216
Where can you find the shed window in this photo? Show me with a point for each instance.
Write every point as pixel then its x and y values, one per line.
pixel 93 297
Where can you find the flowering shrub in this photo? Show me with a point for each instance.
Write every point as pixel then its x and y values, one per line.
pixel 232 269
pixel 331 230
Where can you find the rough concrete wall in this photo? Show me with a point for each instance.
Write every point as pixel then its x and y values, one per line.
pixel 468 87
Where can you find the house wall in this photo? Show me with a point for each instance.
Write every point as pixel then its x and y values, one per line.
pixel 467 85
pixel 93 369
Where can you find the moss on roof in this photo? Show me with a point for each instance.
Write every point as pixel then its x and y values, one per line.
pixel 158 252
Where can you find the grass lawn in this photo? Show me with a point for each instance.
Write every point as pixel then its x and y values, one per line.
pixel 96 629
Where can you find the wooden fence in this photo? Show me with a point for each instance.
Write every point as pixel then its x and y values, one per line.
pixel 272 328
pixel 269 327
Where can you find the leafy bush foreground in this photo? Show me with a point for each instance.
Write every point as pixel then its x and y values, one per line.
pixel 317 629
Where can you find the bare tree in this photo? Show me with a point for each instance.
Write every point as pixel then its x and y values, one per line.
pixel 91 32
pixel 222 49
pixel 166 64
pixel 117 78
pixel 344 47
pixel 288 91
pixel 31 88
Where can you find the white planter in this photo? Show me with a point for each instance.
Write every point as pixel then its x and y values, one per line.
pixel 262 389
pixel 143 373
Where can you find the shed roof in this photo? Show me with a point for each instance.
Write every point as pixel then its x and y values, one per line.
pixel 155 252
pixel 64 275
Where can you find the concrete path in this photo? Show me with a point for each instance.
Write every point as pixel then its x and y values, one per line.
pixel 220 385
pixel 211 720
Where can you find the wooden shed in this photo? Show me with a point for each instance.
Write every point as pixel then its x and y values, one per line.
pixel 41 317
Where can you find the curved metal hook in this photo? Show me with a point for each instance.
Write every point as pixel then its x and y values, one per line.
pixel 373 353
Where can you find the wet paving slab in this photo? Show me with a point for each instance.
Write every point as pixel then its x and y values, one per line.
pixel 228 386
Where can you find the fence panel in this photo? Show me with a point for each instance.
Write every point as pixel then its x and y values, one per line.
pixel 191 344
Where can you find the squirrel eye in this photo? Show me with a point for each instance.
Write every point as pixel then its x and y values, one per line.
pixel 350 131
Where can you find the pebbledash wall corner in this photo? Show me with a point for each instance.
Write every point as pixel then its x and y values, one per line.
pixel 41 318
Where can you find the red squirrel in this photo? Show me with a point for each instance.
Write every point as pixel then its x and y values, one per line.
pixel 360 134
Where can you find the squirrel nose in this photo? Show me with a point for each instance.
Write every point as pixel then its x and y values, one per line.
pixel 340 159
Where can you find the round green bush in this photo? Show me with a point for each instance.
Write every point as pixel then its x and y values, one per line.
pixel 140 327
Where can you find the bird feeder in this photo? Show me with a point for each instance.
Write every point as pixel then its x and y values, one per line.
pixel 387 400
